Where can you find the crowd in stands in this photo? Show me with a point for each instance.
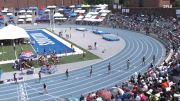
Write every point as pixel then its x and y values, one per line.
pixel 164 28
pixel 158 82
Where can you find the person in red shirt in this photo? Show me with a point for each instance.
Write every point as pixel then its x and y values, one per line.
pixel 143 97
pixel 165 84
pixel 89 98
pixel 135 88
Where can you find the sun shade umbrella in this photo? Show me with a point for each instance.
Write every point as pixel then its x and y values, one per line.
pixel 116 90
pixel 105 94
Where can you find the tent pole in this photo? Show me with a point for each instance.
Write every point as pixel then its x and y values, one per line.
pixel 2 50
pixel 14 46
pixel 50 19
pixel 53 21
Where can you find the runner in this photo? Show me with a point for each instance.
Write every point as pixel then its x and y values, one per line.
pixel 39 74
pixel 109 68
pixel 143 61
pixel 90 71
pixel 45 88
pixel 95 45
pixel 67 73
pixel 128 64
pixel 154 59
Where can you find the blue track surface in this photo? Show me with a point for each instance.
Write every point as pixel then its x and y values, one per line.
pixel 45 43
pixel 137 46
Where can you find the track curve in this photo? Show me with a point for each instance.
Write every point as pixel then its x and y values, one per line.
pixel 137 46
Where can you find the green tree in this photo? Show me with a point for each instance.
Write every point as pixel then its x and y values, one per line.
pixel 177 3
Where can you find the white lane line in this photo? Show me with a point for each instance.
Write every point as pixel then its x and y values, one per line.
pixel 85 72
pixel 10 97
pixel 133 45
pixel 86 75
pixel 93 69
pixel 88 78
pixel 117 81
pixel 106 80
pixel 151 51
pixel 40 92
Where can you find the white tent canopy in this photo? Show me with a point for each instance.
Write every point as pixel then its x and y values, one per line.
pixel 51 7
pixel 88 16
pixel 12 32
pixel 93 17
pixel 5 10
pixel 22 11
pixel 22 16
pixel 60 9
pixel 80 17
pixel 103 14
pixel 9 14
pixel 28 16
pixel 72 6
pixel 60 18
pixel 93 13
pixel 20 20
pixel 80 11
pixel 104 11
pixel 29 11
pixel 93 20
pixel 102 6
pixel 29 19
pixel 58 15
pixel 47 10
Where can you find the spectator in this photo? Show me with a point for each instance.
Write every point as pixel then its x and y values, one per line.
pixel 88 98
pixel 90 71
pixel 81 98
pixel 15 78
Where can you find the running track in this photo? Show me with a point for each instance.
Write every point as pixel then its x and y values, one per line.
pixel 137 46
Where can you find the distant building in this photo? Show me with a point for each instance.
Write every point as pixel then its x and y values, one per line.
pixel 144 3
pixel 37 3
